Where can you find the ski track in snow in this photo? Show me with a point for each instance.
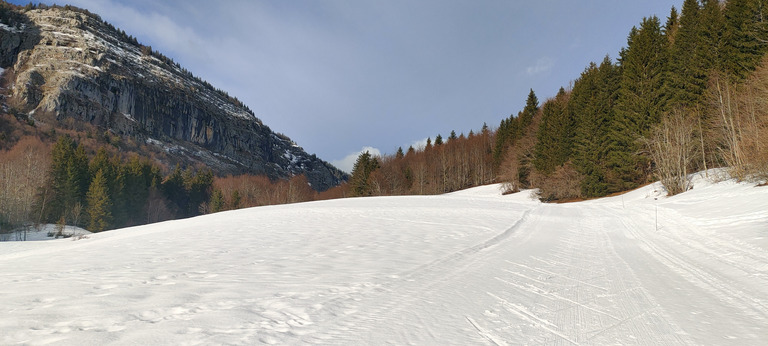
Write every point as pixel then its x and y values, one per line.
pixel 472 267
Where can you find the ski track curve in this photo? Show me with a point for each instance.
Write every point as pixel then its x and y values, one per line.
pixel 574 289
pixel 565 275
pixel 384 305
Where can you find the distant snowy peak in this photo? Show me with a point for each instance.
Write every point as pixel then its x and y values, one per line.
pixel 68 63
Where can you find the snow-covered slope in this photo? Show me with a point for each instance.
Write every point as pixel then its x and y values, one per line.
pixel 472 267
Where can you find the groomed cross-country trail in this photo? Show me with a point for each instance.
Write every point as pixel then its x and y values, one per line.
pixel 469 268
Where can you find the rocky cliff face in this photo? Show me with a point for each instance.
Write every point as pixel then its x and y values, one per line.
pixel 71 64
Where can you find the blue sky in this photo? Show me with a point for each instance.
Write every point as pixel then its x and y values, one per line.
pixel 341 76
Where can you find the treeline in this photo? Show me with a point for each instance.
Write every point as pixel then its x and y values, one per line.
pixel 244 191
pixel 659 112
pixel 62 183
pixel 683 96
pixel 104 192
pixel 446 165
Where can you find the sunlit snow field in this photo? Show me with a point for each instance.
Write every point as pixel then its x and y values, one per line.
pixel 472 267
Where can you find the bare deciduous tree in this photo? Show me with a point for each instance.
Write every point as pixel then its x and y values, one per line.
pixel 672 147
pixel 22 174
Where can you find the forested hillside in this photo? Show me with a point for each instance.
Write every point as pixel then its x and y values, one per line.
pixel 684 95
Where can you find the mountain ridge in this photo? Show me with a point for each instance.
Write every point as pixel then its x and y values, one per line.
pixel 69 63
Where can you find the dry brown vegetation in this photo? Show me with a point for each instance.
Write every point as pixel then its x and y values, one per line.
pixel 563 184
pixel 672 147
pixel 244 191
pixel 458 163
pixel 23 170
pixel 739 124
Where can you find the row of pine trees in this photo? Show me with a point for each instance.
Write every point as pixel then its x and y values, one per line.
pixel 592 139
pixel 103 192
pixel 599 125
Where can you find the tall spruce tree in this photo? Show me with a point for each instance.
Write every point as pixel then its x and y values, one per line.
pixel 111 168
pixel 688 71
pixel 531 107
pixel 139 176
pixel 641 101
pixel 54 201
pixel 711 36
pixel 217 202
pixel 745 36
pixel 360 181
pixel 69 179
pixel 173 189
pixel 670 27
pixel 198 187
pixel 643 66
pixel 513 128
pixel 99 204
pixel 592 107
pixel 553 139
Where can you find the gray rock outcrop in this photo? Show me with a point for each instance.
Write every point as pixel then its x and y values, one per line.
pixel 71 64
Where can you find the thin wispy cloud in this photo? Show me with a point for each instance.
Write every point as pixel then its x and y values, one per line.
pixel 542 65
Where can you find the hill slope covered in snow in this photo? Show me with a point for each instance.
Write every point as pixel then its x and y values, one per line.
pixel 472 267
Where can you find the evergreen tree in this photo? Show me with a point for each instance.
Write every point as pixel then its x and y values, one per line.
pixel 553 144
pixel 531 107
pixel 69 179
pixel 744 37
pixel 138 177
pixel 217 201
pixel 55 201
pixel 198 188
pixel 711 36
pixel 513 128
pixel 399 154
pixel 688 71
pixel 641 101
pixel 99 204
pixel 438 140
pixel 78 177
pixel 173 189
pixel 115 178
pixel 506 136
pixel 641 94
pixel 452 136
pixel 360 181
pixel 670 28
pixel 592 107
pixel 235 200
pixel 102 162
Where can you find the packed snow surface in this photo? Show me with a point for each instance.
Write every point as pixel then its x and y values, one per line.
pixel 468 268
